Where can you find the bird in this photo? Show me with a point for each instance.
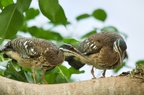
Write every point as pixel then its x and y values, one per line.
pixel 35 53
pixel 104 50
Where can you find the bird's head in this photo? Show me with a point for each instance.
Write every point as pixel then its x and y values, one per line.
pixel 69 50
pixel 120 47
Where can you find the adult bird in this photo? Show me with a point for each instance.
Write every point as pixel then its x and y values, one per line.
pixel 105 50
pixel 36 53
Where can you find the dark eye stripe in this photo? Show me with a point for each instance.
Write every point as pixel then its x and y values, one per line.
pixel 121 45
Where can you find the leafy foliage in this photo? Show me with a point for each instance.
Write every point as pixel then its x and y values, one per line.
pixel 53 11
pixel 100 14
pixel 83 16
pixel 89 33
pixel 4 3
pixel 46 34
pixel 140 62
pixel 15 18
pixel 59 74
pixel 23 5
pixel 31 13
pixel 8 21
pixel 71 41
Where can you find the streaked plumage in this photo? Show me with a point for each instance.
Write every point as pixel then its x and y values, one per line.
pixel 34 53
pixel 105 50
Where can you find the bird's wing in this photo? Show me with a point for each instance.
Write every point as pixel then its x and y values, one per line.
pixel 25 47
pixel 88 47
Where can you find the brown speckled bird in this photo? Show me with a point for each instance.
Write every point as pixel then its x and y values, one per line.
pixel 35 53
pixel 105 50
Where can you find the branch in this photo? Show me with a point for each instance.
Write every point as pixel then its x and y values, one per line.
pixel 120 85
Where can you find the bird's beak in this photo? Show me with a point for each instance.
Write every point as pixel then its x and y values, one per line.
pixel 122 57
pixel 76 53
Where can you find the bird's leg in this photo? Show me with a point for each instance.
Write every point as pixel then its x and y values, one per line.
pixel 34 76
pixel 42 76
pixel 92 72
pixel 104 72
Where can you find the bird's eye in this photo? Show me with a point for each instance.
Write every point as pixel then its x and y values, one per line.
pixel 71 48
pixel 68 47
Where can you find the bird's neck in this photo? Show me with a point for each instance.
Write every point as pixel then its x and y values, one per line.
pixel 58 58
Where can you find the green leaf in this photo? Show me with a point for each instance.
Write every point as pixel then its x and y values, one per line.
pixel 109 29
pixel 140 62
pixel 52 71
pixel 64 72
pixel 51 75
pixel 83 16
pixel 46 34
pixel 60 79
pixel 89 33
pixel 51 78
pixel 56 75
pixel 4 3
pixel 100 14
pixel 71 41
pixel 28 77
pixel 119 67
pixel 1 6
pixel 12 73
pixel 113 29
pixel 53 11
pixel 10 21
pixel 74 71
pixel 32 13
pixel 23 5
pixel 57 24
pixel 1 73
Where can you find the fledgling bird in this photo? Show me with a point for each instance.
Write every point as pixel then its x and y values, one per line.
pixel 34 53
pixel 105 50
